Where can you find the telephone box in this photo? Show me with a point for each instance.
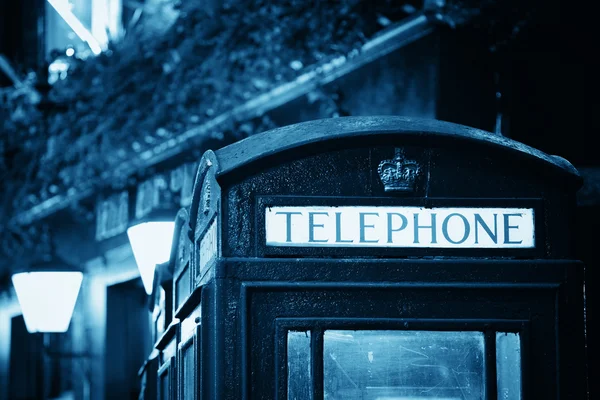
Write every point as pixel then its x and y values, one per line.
pixel 382 258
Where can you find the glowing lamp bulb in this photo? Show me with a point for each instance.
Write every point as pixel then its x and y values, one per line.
pixel 151 245
pixel 47 298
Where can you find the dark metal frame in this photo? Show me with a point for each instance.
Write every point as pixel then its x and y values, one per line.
pixel 168 362
pixel 191 308
pixel 182 349
pixel 167 368
pixel 549 286
pixel 254 294
pixel 317 327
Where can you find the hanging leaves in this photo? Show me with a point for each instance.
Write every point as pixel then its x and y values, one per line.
pixel 157 83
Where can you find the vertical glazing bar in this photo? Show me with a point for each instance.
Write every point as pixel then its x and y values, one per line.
pixel 198 365
pixel 526 388
pixel 316 347
pixel 508 362
pixel 299 366
pixel 490 366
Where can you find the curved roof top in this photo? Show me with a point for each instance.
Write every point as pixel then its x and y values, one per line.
pixel 277 140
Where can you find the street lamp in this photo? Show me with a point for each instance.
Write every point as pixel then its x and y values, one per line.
pixel 47 294
pixel 151 244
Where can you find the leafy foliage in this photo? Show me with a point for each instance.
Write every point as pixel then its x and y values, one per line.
pixel 175 69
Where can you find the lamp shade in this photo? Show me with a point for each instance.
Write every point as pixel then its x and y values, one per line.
pixel 151 245
pixel 47 298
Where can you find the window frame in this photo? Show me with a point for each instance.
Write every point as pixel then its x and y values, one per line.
pixel 181 350
pixel 165 368
pixel 318 326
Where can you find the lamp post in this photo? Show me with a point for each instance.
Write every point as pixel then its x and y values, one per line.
pixel 47 292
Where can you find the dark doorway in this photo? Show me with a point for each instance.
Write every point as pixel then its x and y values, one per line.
pixel 127 338
pixel 26 362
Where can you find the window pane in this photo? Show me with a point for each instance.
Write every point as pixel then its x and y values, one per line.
pixel 183 286
pixel 187 386
pixel 508 365
pixel 165 388
pixel 386 365
pixel 299 376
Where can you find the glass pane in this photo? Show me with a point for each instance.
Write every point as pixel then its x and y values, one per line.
pixel 161 298
pixel 187 386
pixel 403 365
pixel 299 376
pixel 164 386
pixel 158 326
pixel 508 365
pixel 183 286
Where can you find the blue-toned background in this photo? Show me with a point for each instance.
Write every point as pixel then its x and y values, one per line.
pixel 107 105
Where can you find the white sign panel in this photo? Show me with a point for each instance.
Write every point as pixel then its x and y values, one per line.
pixel 358 226
pixel 208 247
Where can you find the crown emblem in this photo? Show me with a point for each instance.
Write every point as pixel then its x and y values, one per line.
pixel 398 174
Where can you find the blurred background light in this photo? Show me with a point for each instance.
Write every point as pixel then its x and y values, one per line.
pixel 58 70
pixel 151 245
pixel 47 298
pixel 62 7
